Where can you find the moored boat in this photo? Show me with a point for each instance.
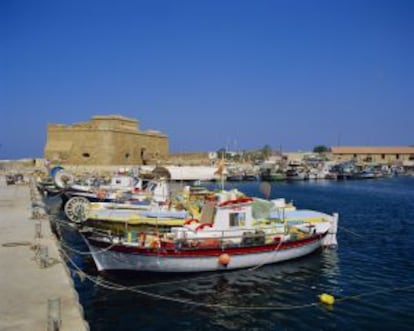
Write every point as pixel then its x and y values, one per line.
pixel 226 236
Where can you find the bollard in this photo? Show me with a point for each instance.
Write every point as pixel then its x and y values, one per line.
pixel 54 319
pixel 35 213
pixel 38 230
pixel 43 256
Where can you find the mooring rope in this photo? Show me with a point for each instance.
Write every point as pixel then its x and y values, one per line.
pixel 351 232
pixel 68 247
pixel 386 290
pixel 118 287
pixel 69 225
pixel 276 250
pixel 86 253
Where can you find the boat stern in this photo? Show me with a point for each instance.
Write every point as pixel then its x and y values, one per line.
pixel 330 239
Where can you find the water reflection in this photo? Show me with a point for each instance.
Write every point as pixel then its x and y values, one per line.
pixel 380 212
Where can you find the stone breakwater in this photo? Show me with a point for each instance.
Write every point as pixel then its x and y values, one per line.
pixel 37 290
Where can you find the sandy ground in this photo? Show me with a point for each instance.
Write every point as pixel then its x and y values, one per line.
pixel 26 286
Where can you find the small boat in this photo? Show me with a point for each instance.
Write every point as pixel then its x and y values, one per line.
pixel 364 174
pixel 230 234
pixel 250 177
pixel 120 189
pixel 137 215
pixel 271 175
pixel 296 174
pixel 234 177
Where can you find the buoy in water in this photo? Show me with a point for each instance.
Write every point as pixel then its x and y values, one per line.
pixel 224 259
pixel 327 299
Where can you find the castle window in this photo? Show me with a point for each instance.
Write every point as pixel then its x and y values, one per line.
pixel 86 155
pixel 126 155
pixel 397 156
pixel 383 156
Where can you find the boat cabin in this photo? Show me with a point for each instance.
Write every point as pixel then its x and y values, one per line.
pixel 230 215
pixel 124 182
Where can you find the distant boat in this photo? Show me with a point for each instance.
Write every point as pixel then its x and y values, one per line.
pixel 364 174
pixel 271 175
pixel 120 188
pixel 250 177
pixel 296 174
pixel 235 177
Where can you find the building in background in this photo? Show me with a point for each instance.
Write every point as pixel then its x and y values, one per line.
pixel 384 155
pixel 105 140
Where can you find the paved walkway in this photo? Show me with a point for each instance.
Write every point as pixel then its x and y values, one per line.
pixel 25 286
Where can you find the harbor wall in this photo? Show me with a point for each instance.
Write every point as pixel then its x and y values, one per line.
pixel 30 279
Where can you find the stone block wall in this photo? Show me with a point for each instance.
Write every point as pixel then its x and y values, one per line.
pixel 106 140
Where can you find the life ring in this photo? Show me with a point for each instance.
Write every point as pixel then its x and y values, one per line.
pixel 190 221
pixel 202 226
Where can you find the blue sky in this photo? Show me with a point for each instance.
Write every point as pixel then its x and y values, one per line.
pixel 210 74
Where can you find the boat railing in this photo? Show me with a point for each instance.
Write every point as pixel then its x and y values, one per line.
pixel 210 238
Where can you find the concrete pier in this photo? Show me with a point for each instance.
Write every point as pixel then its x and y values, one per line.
pixel 28 281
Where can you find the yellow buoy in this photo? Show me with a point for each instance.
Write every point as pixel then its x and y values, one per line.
pixel 327 299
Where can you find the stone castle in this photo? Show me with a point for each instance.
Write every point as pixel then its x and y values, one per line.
pixel 105 140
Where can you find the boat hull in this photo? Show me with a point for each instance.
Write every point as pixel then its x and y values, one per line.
pixel 109 257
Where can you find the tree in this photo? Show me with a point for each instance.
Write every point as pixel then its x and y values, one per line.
pixel 221 153
pixel 320 149
pixel 266 151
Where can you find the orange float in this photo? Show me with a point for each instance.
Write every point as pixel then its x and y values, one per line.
pixel 224 259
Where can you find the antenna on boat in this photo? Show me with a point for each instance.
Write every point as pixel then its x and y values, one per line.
pixel 220 171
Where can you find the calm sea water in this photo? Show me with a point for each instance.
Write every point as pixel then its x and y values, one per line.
pixel 371 273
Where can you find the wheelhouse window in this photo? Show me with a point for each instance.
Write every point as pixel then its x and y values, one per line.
pixel 237 219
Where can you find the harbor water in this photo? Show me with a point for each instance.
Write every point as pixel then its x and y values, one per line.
pixel 370 274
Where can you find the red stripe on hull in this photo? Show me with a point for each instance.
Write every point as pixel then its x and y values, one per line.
pixel 192 252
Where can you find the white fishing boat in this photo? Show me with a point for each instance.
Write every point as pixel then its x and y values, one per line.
pixel 159 206
pixel 121 189
pixel 229 234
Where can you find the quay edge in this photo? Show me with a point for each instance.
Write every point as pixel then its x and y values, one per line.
pixel 27 285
